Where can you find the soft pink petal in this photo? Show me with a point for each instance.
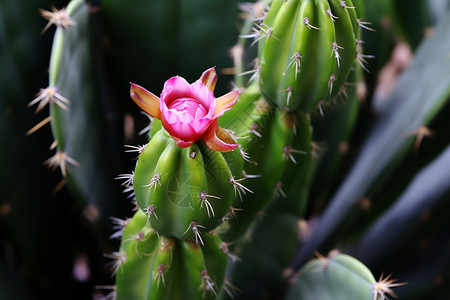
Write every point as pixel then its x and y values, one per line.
pixel 171 116
pixel 209 78
pixel 225 103
pixel 218 139
pixel 184 131
pixel 201 112
pixel 200 125
pixel 146 100
pixel 174 88
pixel 203 95
pixel 181 143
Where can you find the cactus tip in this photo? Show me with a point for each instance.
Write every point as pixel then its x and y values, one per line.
pixel 384 286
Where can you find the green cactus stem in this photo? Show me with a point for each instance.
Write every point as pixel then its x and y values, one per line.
pixel 306 51
pixel 185 191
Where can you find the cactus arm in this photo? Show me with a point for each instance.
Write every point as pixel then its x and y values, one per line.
pixel 162 194
pixel 397 224
pixel 323 49
pixel 271 36
pixel 339 277
pixel 407 111
pixel 346 39
pixel 148 160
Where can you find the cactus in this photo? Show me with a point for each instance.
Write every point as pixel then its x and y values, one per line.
pixel 232 197
pixel 343 278
pixel 307 49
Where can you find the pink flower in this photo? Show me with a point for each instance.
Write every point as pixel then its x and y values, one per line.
pixel 189 112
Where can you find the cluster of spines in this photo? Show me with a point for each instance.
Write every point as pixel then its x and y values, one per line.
pixel 50 96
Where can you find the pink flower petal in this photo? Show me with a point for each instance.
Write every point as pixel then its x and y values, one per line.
pixel 225 103
pixel 200 125
pixel 146 100
pixel 218 139
pixel 181 143
pixel 209 78
pixel 174 88
pixel 184 131
pixel 203 95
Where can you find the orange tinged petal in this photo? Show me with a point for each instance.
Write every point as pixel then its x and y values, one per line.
pixel 218 139
pixel 225 103
pixel 209 78
pixel 145 100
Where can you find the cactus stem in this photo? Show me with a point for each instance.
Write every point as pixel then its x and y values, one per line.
pixel 308 24
pixel 60 159
pixel 238 187
pixel 58 17
pixel 119 226
pixel 335 50
pixel 149 211
pixel 204 197
pixel 207 283
pixel 156 179
pixel 159 275
pixel 39 125
pixel 344 5
pixel 383 287
pixel 330 14
pixel 194 226
pixel 287 153
pixel 119 258
pixel 49 95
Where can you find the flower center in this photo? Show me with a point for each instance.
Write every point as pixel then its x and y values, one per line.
pixel 188 108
